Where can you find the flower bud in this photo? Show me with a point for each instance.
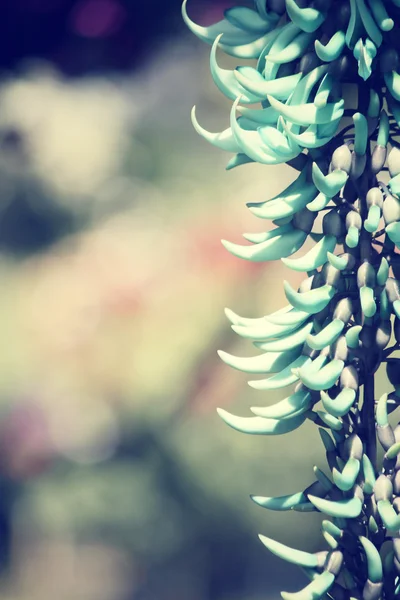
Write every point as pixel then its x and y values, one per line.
pixel 341 158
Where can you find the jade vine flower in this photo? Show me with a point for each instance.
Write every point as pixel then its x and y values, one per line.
pixel 336 330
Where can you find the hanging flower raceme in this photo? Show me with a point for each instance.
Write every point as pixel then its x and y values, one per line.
pixel 335 332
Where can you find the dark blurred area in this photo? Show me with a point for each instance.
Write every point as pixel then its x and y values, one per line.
pixel 117 479
pixel 81 36
pixel 86 36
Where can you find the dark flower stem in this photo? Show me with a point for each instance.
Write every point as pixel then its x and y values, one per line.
pixel 368 417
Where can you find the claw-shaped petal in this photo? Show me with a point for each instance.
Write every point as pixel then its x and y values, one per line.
pixel 251 143
pixel 349 508
pixel 264 331
pixel 283 207
pixel 369 475
pixel 291 317
pixel 308 19
pixel 248 19
pixel 327 335
pixel 374 561
pixel 316 257
pixel 313 301
pixel 389 516
pixel 369 23
pixel 298 557
pixel 236 319
pixel 307 114
pixel 333 422
pixel 324 378
pixel 226 81
pixel 333 49
pixel 280 88
pixel 314 590
pixel 251 49
pixel 276 247
pixel 238 160
pixel 292 404
pixel 232 34
pixel 339 262
pixel 280 503
pixel 270 362
pixel 292 340
pixel 262 116
pixel 284 378
pixel 347 478
pixel 224 140
pixel 292 51
pixel 310 138
pixel 278 142
pixel 261 426
pixel 341 404
pixel 330 184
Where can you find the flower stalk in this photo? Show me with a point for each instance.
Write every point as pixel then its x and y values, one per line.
pixel 336 330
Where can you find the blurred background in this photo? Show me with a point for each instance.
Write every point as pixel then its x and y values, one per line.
pixel 117 479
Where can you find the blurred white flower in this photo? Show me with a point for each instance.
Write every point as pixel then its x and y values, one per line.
pixel 76 131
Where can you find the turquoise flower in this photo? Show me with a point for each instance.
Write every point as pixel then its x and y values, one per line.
pixel 334 333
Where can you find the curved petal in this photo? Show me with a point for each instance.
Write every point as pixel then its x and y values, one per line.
pixel 262 116
pixel 341 404
pixel 224 140
pixel 374 561
pixel 316 257
pixel 313 301
pixel 276 141
pixel 292 404
pixel 297 557
pixel 260 426
pixel 264 331
pixel 330 184
pixel 309 138
pixel 308 19
pixel 325 377
pixel 251 49
pixel 273 249
pixel 347 478
pixel 226 81
pixel 327 336
pixel 283 207
pixel 280 502
pixel 270 362
pixel 286 377
pixel 333 49
pixel 232 34
pixel 293 50
pixel 314 590
pixel 280 88
pixel 291 340
pixel 349 508
pixel 250 142
pixel 308 114
pixel 247 19
pixel 319 203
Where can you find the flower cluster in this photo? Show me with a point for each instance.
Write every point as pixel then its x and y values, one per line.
pixel 335 332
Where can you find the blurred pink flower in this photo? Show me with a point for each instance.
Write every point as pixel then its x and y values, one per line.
pixel 25 446
pixel 97 18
